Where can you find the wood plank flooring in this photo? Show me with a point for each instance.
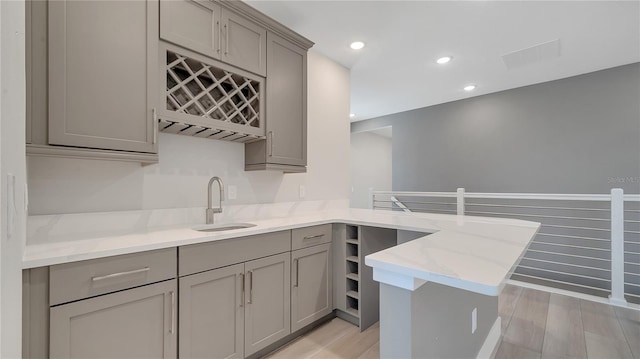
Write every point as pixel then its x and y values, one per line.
pixel 535 324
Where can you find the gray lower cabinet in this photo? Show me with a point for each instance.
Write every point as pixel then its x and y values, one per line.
pixel 103 74
pixel 212 314
pixel 267 312
pixel 285 147
pixel 135 323
pixel 234 311
pixel 311 285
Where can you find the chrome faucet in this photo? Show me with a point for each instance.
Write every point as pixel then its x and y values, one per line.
pixel 211 211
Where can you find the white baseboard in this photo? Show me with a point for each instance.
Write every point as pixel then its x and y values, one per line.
pixel 569 293
pixel 490 346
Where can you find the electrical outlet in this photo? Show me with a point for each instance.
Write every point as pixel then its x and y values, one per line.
pixel 232 192
pixel 474 320
pixel 302 192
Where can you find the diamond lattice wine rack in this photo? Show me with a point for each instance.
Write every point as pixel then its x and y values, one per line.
pixel 205 98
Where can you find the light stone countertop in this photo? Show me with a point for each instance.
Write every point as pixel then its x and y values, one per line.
pixel 471 253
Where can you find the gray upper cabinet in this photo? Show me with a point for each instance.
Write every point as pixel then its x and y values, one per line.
pixel 103 74
pixel 135 323
pixel 311 285
pixel 267 311
pixel 244 43
pixel 214 31
pixel 285 147
pixel 194 24
pixel 212 314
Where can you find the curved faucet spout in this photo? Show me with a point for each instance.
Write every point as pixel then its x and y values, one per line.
pixel 210 210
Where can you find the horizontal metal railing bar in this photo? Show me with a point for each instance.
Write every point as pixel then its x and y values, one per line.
pixel 415 194
pixel 636 274
pixel 565 273
pixel 543 216
pixel 569 255
pixel 573 246
pixel 632 210
pixel 634 232
pixel 631 263
pixel 629 252
pixel 538 196
pixel 633 284
pixel 413 202
pixel 432 210
pixel 574 237
pixel 576 227
pixel 538 207
pixel 567 264
pixel 563 282
pixel 632 295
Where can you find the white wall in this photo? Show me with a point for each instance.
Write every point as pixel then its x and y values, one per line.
pixel 370 166
pixel 186 164
pixel 12 149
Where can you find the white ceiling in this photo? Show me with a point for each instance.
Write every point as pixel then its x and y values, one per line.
pixel 396 71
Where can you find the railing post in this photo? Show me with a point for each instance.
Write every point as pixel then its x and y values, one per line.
pixel 460 201
pixel 617 247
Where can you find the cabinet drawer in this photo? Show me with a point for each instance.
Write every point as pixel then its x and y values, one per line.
pixel 78 280
pixel 310 236
pixel 205 256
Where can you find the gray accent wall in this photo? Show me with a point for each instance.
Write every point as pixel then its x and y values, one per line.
pixel 575 135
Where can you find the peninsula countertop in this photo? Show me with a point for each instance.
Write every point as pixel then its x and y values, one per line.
pixel 467 252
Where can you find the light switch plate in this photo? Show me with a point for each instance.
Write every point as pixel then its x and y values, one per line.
pixel 232 191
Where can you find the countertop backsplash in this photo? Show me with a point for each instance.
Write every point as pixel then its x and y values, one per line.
pixel 79 226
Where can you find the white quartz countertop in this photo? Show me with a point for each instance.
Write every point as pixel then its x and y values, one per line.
pixel 472 253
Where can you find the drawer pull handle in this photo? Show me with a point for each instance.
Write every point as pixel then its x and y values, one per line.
pixel 173 312
pixel 242 286
pixel 226 34
pixel 297 275
pixel 250 273
pixel 120 274
pixel 313 237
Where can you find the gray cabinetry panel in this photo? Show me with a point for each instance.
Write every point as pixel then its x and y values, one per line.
pixel 310 236
pixel 244 43
pixel 212 314
pixel 136 323
pixel 192 24
pixel 78 280
pixel 201 257
pixel 267 312
pixel 214 31
pixel 286 142
pixel 311 285
pixel 103 74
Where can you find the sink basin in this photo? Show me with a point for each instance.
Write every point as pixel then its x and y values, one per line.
pixel 222 227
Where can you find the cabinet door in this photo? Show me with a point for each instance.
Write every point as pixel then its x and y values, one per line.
pixel 286 102
pixel 244 43
pixel 135 323
pixel 194 24
pixel 103 74
pixel 311 285
pixel 267 311
pixel 212 314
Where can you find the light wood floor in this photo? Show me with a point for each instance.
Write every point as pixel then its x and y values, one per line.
pixel 535 324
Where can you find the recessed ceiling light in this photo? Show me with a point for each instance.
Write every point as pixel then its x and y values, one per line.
pixel 444 60
pixel 357 45
pixel 352 115
pixel 470 87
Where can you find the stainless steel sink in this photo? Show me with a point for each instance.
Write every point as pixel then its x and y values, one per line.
pixel 222 227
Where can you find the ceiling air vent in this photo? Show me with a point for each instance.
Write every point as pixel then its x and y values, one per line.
pixel 532 55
